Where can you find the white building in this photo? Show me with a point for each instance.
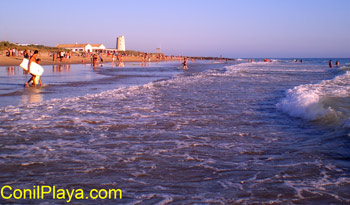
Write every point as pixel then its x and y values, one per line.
pixel 98 47
pixel 77 47
pixel 83 47
pixel 121 43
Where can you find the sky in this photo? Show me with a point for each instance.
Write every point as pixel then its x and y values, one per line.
pixel 228 28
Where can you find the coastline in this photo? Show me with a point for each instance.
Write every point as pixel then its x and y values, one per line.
pixel 47 60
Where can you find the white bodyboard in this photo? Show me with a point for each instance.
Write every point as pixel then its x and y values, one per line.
pixel 35 68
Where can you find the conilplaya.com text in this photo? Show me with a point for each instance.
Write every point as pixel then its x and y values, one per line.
pixel 52 192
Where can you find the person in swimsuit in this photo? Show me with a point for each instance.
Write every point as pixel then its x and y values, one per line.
pixel 32 59
pixel 35 79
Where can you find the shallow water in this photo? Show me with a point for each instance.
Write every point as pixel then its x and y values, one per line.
pixel 217 133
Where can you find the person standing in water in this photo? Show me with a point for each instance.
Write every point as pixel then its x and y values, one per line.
pixel 337 63
pixel 185 63
pixel 330 64
pixel 32 59
pixel 35 79
pixel 94 60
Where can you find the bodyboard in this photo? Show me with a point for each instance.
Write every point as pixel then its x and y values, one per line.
pixel 35 69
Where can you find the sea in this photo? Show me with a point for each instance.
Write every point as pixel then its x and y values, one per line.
pixel 235 132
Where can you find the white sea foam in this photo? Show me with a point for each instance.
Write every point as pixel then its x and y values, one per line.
pixel 316 101
pixel 304 103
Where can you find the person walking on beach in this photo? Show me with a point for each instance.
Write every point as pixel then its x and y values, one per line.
pixel 61 56
pixel 53 57
pixel 101 59
pixel 330 64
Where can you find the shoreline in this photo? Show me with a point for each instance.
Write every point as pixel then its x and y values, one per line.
pixel 74 80
pixel 47 60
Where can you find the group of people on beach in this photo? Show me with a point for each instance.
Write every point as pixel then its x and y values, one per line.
pixel 14 52
pixel 60 56
pixel 96 58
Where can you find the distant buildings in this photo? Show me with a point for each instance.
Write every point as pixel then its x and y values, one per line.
pixel 121 43
pixel 25 44
pixel 92 48
pixel 83 47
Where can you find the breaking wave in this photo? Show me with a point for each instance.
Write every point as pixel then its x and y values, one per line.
pixel 327 101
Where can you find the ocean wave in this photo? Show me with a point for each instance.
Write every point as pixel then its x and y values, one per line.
pixel 328 101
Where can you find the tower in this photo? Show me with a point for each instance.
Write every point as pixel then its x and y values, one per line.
pixel 121 43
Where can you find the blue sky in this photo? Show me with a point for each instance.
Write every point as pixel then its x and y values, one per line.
pixel 231 28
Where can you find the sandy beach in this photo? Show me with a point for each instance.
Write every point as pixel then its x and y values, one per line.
pixel 47 60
